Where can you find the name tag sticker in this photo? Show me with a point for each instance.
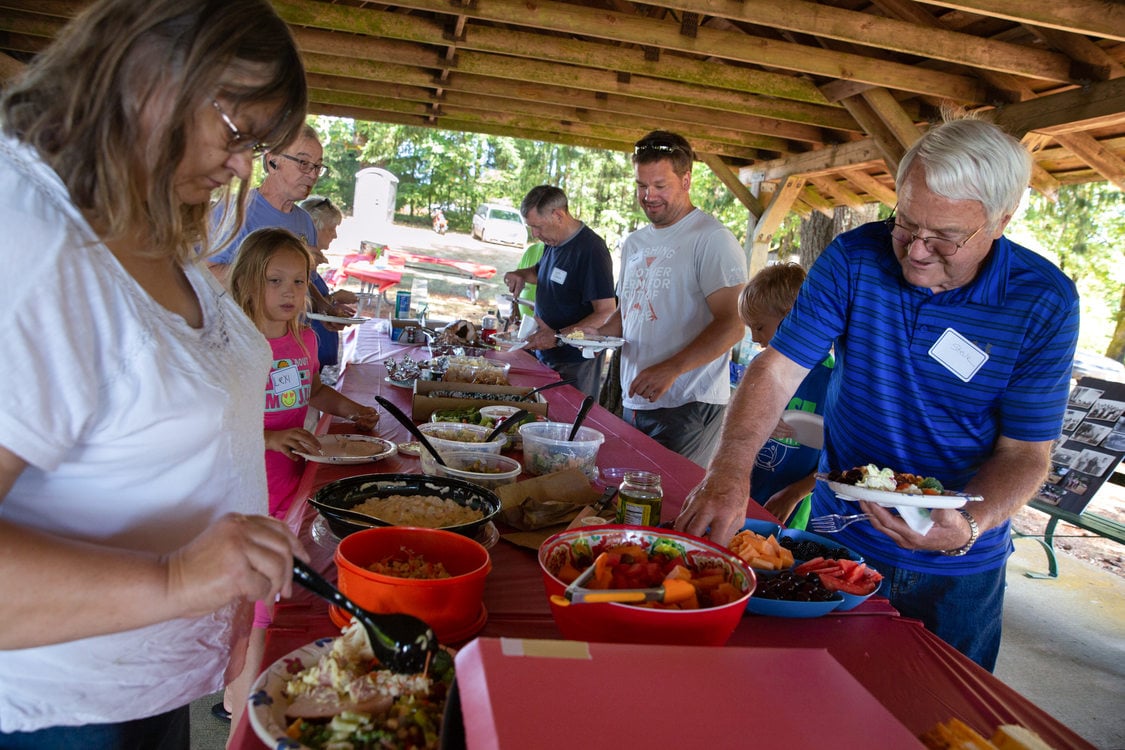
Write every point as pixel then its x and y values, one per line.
pixel 957 354
pixel 558 275
pixel 286 379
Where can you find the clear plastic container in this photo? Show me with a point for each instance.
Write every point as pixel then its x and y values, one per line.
pixel 546 449
pixel 486 470
pixel 449 437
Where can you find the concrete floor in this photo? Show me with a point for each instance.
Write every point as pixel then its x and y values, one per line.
pixel 1063 649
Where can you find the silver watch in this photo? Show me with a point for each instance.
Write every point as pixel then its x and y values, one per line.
pixel 974 532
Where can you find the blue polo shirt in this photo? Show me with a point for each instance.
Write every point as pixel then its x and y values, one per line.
pixel 893 404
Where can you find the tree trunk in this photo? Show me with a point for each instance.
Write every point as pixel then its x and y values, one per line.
pixel 818 230
pixel 1116 348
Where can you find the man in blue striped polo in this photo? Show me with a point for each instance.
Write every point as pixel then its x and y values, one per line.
pixel 953 352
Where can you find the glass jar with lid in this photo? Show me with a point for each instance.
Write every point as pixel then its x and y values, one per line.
pixel 640 498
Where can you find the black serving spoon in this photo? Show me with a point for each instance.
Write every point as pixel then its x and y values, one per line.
pixel 527 396
pixel 401 643
pixel 587 404
pixel 505 423
pixel 408 423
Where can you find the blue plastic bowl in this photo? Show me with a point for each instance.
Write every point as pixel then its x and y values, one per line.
pixel 785 608
pixel 851 601
pixel 765 528
pixel 798 535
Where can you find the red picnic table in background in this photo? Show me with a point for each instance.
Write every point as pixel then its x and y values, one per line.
pixel 380 276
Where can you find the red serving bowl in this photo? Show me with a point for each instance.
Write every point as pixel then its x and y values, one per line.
pixel 625 623
pixel 453 607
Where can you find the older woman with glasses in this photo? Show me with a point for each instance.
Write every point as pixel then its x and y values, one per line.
pixel 133 523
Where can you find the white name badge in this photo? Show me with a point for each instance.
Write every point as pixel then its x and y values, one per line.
pixel 286 379
pixel 558 275
pixel 957 354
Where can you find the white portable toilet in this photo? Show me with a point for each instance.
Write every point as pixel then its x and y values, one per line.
pixel 374 204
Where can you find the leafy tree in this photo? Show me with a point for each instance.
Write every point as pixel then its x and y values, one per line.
pixel 1084 230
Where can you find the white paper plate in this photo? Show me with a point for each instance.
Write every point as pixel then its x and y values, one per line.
pixel 334 319
pixel 508 342
pixel 593 342
pixel 519 300
pixel 351 449
pixel 267 703
pixel 808 428
pixel 895 499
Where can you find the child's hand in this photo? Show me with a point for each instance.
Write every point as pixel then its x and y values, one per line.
pixel 365 418
pixel 293 439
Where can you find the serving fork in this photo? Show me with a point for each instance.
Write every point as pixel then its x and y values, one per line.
pixel 834 522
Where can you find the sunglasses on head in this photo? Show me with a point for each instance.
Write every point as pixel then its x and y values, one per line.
pixel 662 148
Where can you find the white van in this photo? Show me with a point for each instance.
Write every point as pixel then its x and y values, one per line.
pixel 502 224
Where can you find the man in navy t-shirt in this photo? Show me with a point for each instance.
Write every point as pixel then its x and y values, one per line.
pixel 574 285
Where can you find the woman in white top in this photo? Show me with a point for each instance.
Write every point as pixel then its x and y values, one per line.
pixel 133 526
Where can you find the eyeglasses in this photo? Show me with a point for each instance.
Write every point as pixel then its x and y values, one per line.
pixel 663 148
pixel 239 142
pixel 940 245
pixel 307 167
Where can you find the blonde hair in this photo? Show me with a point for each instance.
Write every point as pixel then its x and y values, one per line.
pixel 773 290
pixel 81 104
pixel 248 273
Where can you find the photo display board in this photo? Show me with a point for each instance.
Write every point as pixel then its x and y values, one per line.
pixel 1090 447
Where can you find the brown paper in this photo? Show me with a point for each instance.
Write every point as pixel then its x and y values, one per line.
pixel 566 488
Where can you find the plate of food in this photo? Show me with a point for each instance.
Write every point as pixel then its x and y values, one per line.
pixel 350 449
pixel 590 341
pixel 893 489
pixel 334 319
pixel 329 692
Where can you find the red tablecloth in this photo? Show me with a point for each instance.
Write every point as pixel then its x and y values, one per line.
pixel 914 674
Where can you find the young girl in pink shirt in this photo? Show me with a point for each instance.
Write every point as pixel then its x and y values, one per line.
pixel 270 280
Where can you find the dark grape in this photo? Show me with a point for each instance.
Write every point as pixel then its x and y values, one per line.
pixel 807 549
pixel 789 586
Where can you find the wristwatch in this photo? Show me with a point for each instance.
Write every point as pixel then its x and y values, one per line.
pixel 974 532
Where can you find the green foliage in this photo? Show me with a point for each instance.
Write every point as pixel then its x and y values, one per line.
pixel 459 171
pixel 1083 231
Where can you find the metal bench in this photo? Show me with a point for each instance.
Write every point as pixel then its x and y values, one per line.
pixel 1092 522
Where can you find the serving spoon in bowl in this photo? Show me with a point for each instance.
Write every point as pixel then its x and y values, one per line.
pixel 401 643
pixel 535 391
pixel 412 428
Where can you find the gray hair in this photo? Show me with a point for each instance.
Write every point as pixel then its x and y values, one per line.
pixel 323 211
pixel 544 199
pixel 970 159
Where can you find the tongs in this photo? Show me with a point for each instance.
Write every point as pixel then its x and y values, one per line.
pixel 673 591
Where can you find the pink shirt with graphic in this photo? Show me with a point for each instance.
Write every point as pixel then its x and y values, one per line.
pixel 288 390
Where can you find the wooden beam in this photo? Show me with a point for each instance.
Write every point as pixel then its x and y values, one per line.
pixel 838 191
pixel 884 138
pixel 1069 111
pixel 855 155
pixel 784 201
pixel 893 116
pixel 932 41
pixel 10 67
pixel 1107 164
pixel 871 185
pixel 1092 17
pixel 730 179
pixel 631 29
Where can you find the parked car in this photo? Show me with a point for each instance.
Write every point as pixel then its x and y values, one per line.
pixel 502 224
pixel 1091 364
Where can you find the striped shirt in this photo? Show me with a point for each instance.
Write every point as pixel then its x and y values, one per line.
pixel 892 404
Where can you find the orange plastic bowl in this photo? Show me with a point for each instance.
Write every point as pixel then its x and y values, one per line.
pixel 625 623
pixel 453 606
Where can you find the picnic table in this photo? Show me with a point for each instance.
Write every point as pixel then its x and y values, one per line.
pixel 382 276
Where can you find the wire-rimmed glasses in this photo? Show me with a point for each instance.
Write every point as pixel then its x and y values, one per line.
pixel 307 167
pixel 239 142
pixel 943 246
